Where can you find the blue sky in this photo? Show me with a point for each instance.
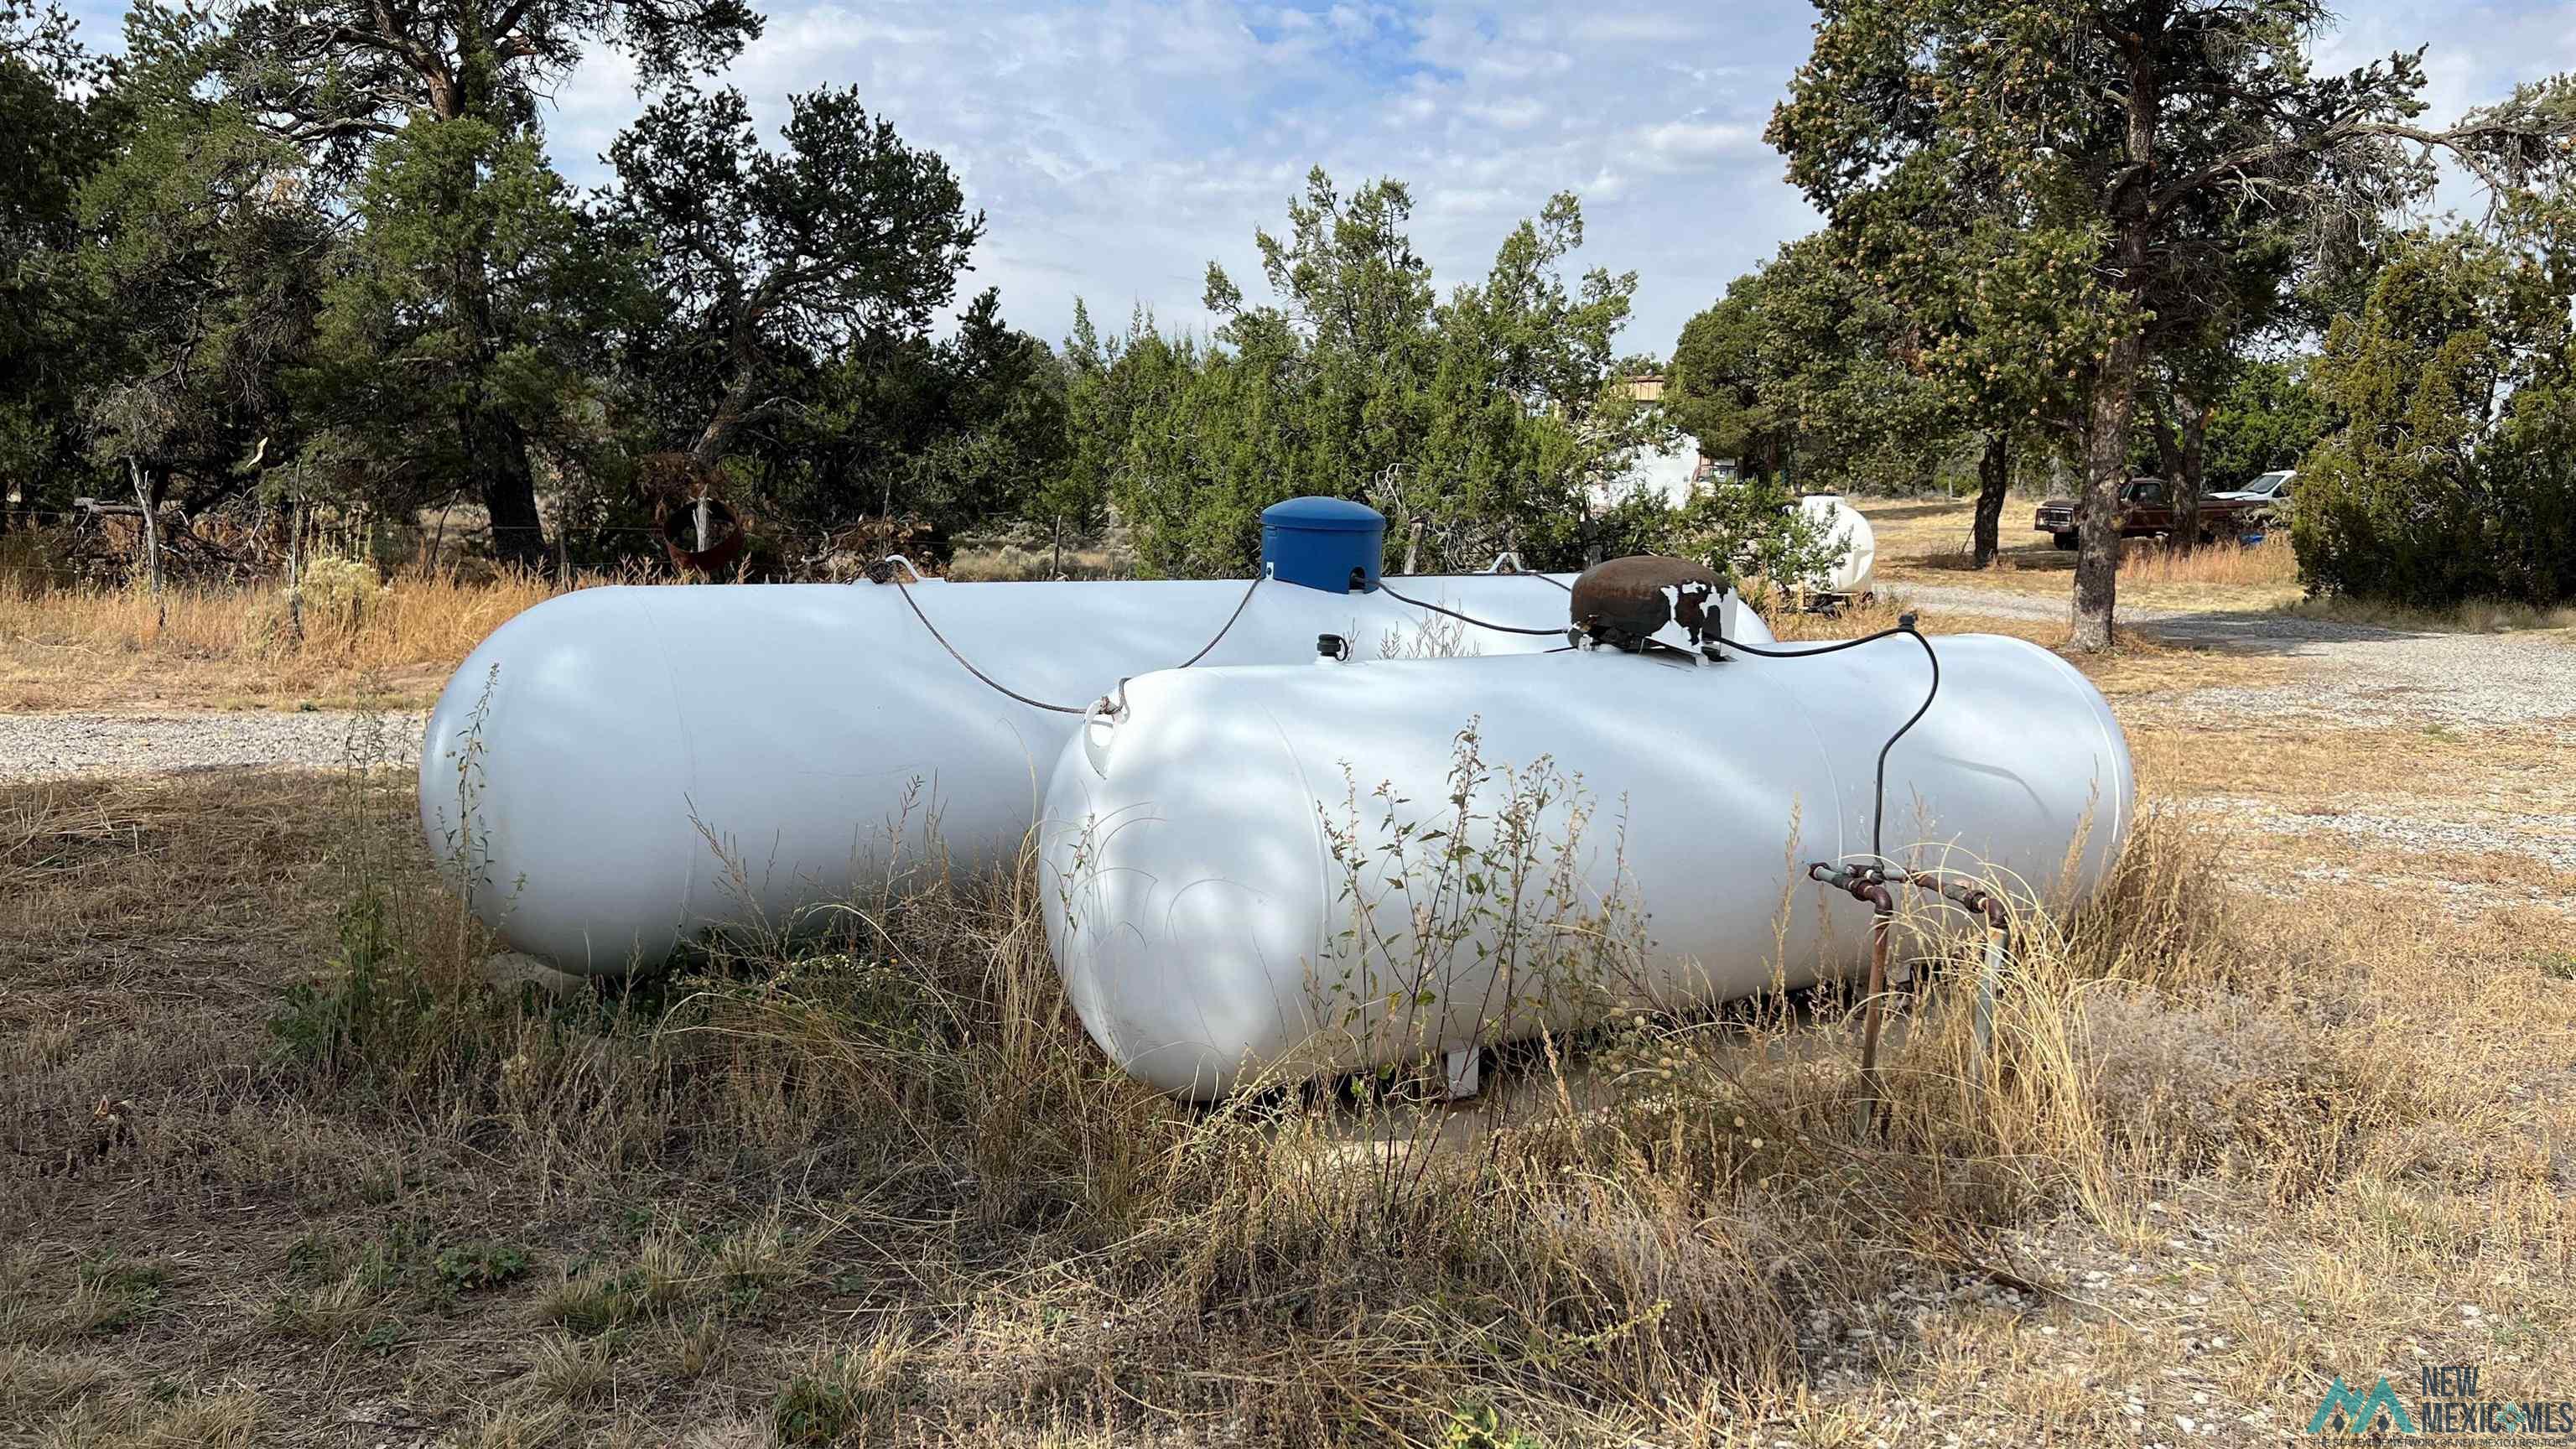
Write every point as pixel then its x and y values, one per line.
pixel 1118 146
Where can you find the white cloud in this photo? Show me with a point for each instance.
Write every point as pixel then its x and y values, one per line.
pixel 1515 114
pixel 1691 145
pixel 1117 145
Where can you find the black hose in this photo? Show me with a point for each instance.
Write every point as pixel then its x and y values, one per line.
pixel 1239 606
pixel 989 681
pixel 1558 631
pixel 1905 625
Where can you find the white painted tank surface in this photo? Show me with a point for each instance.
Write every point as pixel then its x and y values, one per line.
pixel 1204 858
pixel 817 731
pixel 1841 522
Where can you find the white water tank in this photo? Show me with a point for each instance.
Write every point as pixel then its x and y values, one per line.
pixel 613 749
pixel 1252 869
pixel 1850 576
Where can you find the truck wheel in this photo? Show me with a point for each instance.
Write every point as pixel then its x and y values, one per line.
pixel 2062 540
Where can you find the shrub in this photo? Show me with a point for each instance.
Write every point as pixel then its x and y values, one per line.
pixel 813 1409
pixel 2450 478
pixel 340 592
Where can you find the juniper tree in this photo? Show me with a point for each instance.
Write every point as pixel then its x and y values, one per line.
pixel 1805 374
pixel 776 259
pixel 207 252
pixel 456 83
pixel 2450 472
pixel 2132 134
pixel 54 130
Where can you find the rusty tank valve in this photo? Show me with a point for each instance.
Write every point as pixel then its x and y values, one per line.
pixel 1621 603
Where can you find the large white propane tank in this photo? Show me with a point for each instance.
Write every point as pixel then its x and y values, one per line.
pixel 620 769
pixel 1291 868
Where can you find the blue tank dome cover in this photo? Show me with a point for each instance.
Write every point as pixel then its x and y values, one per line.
pixel 1317 542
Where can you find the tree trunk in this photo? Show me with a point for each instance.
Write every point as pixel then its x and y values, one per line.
pixel 495 447
pixel 2194 416
pixel 712 441
pixel 1994 479
pixel 2115 387
pixel 295 567
pixel 731 408
pixel 497 451
pixel 2097 520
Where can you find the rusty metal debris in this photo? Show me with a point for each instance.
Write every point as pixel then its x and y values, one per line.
pixel 1621 603
pixel 703 537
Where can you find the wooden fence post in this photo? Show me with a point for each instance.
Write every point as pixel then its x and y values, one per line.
pixel 295 568
pixel 144 499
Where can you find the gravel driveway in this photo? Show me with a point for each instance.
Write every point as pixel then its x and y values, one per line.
pixel 2366 676
pixel 2362 674
pixel 124 744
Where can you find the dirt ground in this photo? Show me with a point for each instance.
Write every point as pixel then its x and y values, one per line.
pixel 2330 1140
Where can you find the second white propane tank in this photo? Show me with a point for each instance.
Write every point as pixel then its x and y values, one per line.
pixel 1841 523
pixel 1297 868
pixel 623 768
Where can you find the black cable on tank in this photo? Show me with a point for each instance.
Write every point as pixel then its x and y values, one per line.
pixel 1468 618
pixel 1905 626
pixel 1121 697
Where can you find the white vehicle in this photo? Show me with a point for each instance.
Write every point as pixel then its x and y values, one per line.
pixel 2272 487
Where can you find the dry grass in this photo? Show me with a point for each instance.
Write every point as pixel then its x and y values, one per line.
pixel 2478 616
pixel 1929 542
pixel 358 639
pixel 2138 665
pixel 282 1169
pixel 2270 565
pixel 2504 770
pixel 392 644
pixel 230 646
pixel 2484 821
pixel 1007 562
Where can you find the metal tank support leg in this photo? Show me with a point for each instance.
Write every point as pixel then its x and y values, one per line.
pixel 1466 1071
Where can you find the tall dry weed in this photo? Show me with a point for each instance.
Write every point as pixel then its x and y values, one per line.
pixel 2272 561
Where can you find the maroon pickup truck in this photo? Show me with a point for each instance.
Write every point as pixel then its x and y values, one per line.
pixel 2146 510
